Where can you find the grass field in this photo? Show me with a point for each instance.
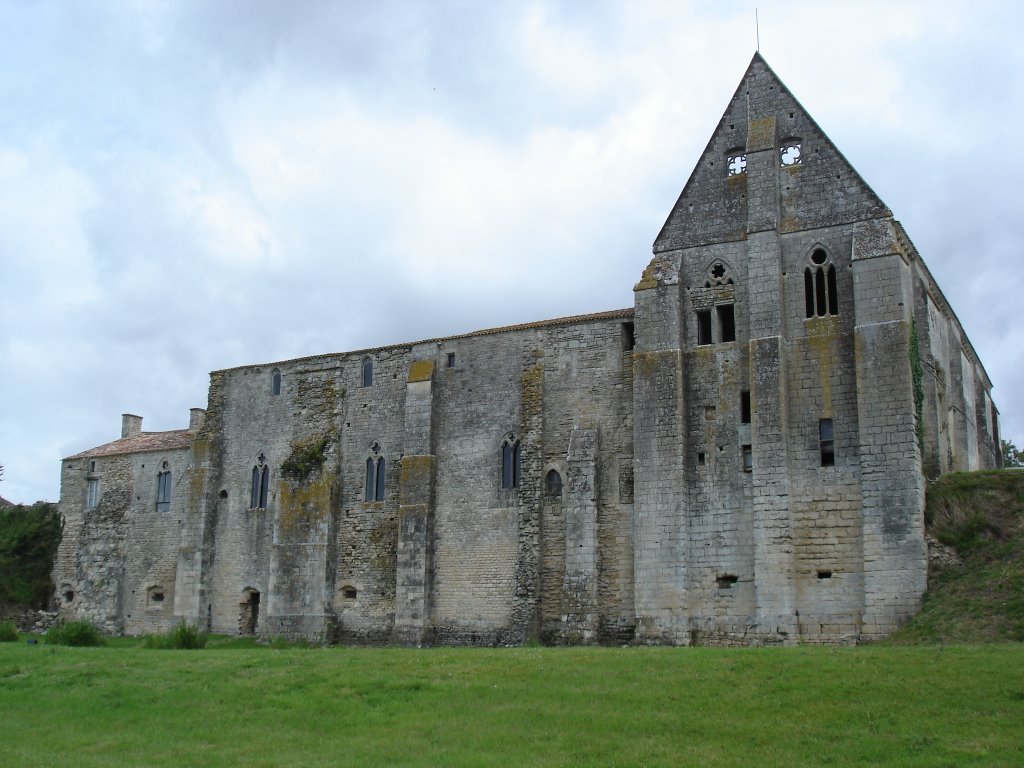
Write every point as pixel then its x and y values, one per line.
pixel 230 705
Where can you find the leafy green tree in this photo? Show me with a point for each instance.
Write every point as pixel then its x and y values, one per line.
pixel 29 536
pixel 1012 455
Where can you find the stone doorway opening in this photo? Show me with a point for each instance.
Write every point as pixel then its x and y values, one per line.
pixel 249 611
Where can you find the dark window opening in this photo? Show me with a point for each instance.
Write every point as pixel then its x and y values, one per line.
pixel 809 292
pixel 260 487
pixel 726 581
pixel 451 359
pixel 69 595
pixel 726 323
pixel 276 383
pixel 821 293
pixel 704 327
pixel 349 593
pixel 249 612
pixel 701 459
pixel 628 337
pixel 157 597
pixel 163 491
pixel 367 372
pixel 833 292
pixel 824 574
pixel 92 466
pixel 747 454
pixel 379 488
pixel 375 475
pixel 553 483
pixel 744 407
pixel 827 441
pixel 511 463
pixel 370 484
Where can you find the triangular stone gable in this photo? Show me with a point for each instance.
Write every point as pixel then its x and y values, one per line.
pixel 823 190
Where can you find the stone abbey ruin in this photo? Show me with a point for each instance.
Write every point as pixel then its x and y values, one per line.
pixel 739 458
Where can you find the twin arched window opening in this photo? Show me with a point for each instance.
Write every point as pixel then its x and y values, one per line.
pixel 511 461
pixel 820 293
pixel 260 484
pixel 375 474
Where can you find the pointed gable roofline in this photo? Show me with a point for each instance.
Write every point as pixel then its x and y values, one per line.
pixel 706 210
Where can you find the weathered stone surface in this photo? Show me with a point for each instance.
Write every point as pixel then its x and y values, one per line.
pixel 737 460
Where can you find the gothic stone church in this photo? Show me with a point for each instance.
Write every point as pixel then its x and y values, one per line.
pixel 737 459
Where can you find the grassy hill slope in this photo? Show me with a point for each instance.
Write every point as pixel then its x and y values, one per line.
pixel 980 515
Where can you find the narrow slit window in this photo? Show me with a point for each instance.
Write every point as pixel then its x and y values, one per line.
pixel 833 293
pixel 379 488
pixel 726 323
pixel 809 292
pixel 451 360
pixel 819 292
pixel 747 458
pixel 275 383
pixel 264 487
pixel 704 327
pixel 370 480
pixel 744 407
pixel 827 443
pixel 701 458
pixel 367 372
pixel 254 493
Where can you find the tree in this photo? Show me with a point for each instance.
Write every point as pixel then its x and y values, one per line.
pixel 1012 455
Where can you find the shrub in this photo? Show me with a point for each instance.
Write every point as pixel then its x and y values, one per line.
pixel 78 633
pixel 8 632
pixel 183 636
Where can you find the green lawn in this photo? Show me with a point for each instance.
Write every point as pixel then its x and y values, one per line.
pixel 253 706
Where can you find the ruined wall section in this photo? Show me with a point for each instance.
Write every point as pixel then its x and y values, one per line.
pixel 89 570
pixel 959 417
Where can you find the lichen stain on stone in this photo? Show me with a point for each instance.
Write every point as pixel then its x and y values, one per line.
pixel 302 505
pixel 821 336
pixel 532 391
pixel 647 279
pixel 421 370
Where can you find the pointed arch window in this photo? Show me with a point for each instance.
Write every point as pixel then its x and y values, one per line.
pixel 367 372
pixel 375 475
pixel 553 483
pixel 163 488
pixel 275 383
pixel 260 488
pixel 821 296
pixel 511 461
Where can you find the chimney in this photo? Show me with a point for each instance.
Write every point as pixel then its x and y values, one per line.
pixel 196 419
pixel 131 425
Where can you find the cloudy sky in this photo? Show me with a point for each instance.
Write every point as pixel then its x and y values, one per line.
pixel 193 185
